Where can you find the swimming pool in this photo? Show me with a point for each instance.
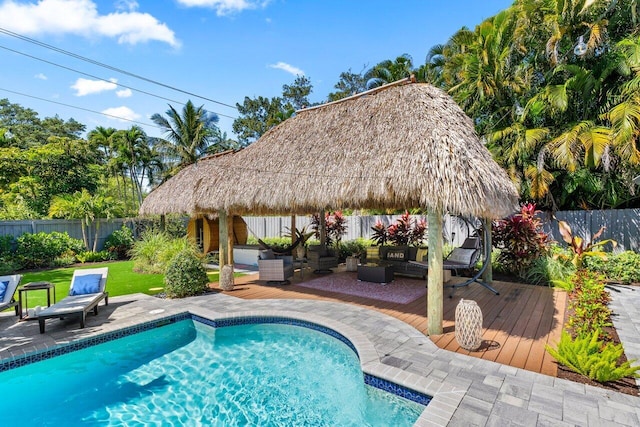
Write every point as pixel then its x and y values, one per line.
pixel 245 373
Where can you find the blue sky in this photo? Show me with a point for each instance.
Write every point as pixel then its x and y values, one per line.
pixel 222 50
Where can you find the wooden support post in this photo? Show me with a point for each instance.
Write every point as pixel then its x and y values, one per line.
pixel 487 276
pixel 223 231
pixel 435 291
pixel 230 240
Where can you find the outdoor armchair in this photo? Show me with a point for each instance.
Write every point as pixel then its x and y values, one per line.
pixel 87 289
pixel 274 268
pixel 321 259
pixel 8 286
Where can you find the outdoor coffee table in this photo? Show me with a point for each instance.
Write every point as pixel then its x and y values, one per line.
pixel 34 286
pixel 375 273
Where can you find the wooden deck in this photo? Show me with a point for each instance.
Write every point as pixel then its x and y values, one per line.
pixel 517 324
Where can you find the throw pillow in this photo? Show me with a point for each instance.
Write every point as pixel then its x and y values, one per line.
pixel 86 284
pixel 373 253
pixel 3 289
pixel 422 253
pixel 267 254
pixel 397 254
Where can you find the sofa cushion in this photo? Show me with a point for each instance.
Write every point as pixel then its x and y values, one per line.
pixel 397 254
pixel 86 284
pixel 3 289
pixel 421 254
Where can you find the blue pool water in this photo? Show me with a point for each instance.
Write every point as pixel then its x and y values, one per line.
pixel 188 373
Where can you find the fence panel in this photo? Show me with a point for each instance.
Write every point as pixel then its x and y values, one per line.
pixel 623 226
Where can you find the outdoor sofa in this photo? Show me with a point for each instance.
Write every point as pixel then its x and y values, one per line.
pixel 87 289
pixel 398 257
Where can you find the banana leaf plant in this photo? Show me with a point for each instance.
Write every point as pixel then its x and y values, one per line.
pixel 581 248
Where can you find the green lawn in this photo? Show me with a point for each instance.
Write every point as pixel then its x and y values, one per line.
pixel 122 280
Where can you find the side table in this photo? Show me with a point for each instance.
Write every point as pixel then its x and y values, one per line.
pixel 301 263
pixel 34 286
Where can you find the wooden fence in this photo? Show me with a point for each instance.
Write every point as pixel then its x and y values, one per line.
pixel 622 225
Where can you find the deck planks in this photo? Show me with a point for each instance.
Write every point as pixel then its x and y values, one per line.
pixel 517 324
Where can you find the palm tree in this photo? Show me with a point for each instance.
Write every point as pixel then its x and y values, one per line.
pixel 188 136
pixel 389 71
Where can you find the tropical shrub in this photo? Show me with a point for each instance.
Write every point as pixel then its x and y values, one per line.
pixel 582 248
pixel 356 248
pixel 90 256
pixel 589 356
pixel 520 239
pixel 623 267
pixel 153 252
pixel 41 249
pixel 335 225
pixel 547 270
pixel 119 243
pixel 185 275
pixel 588 304
pixel 405 231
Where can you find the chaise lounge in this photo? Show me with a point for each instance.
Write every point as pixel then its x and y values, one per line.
pixel 87 289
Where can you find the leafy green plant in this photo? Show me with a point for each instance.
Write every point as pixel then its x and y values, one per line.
pixel 41 249
pixel 623 267
pixel 520 239
pixel 580 248
pixel 89 256
pixel 589 356
pixel 546 270
pixel 153 252
pixel 353 248
pixel 120 242
pixel 185 276
pixel 588 304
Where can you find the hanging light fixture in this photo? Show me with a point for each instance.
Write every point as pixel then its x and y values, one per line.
pixel 581 47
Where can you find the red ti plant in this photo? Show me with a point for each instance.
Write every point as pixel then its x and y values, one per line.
pixel 520 239
pixel 336 226
pixel 581 248
pixel 405 231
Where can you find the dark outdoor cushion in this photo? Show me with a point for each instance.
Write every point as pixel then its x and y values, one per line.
pixel 471 243
pixel 413 252
pixel 3 289
pixel 266 254
pixel 320 250
pixel 86 284
pixel 397 254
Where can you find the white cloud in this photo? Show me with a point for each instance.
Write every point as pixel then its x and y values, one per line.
pixel 121 113
pixel 88 87
pixel 124 93
pixel 288 68
pixel 81 17
pixel 226 7
pixel 40 76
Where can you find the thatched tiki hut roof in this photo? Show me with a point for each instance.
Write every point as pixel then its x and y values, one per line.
pixel 400 146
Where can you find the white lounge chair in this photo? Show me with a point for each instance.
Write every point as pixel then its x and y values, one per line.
pixel 86 291
pixel 8 286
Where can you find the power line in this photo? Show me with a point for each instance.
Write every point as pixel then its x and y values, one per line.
pixel 100 64
pixel 100 78
pixel 80 108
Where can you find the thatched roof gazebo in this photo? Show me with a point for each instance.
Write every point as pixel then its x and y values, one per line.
pixel 400 146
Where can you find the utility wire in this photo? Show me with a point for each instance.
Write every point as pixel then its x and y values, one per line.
pixel 80 108
pixel 101 79
pixel 101 64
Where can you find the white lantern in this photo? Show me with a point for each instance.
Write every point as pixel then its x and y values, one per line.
pixel 468 325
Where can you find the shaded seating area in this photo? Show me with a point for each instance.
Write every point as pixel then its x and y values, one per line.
pixel 87 289
pixel 8 286
pixel 321 259
pixel 273 268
